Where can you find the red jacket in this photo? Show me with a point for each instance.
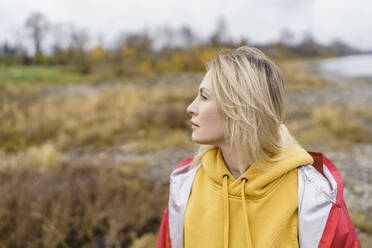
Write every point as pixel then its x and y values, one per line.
pixel 331 215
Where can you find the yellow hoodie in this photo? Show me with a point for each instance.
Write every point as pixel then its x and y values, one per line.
pixel 258 209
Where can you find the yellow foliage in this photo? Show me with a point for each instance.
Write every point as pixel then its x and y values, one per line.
pixel 208 54
pixel 126 51
pixel 146 65
pixel 164 65
pixel 194 58
pixel 180 59
pixel 97 53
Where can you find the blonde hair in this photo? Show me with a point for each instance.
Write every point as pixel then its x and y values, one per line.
pixel 250 92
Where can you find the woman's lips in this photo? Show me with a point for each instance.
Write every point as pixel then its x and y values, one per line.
pixel 193 125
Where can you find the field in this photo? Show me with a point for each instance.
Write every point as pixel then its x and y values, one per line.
pixel 84 159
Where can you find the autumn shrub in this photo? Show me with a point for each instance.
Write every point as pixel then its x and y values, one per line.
pixel 340 122
pixel 298 75
pixel 83 205
pixel 103 118
pixel 193 58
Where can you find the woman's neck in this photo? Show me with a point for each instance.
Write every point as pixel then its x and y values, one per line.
pixel 236 160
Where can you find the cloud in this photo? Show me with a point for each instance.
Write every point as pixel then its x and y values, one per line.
pixel 260 21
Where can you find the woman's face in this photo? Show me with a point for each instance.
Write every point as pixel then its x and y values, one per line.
pixel 205 115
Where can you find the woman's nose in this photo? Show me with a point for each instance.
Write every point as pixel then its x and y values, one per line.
pixel 190 109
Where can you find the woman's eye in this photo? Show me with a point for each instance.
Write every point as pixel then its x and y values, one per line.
pixel 203 97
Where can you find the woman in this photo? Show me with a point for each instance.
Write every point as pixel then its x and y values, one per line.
pixel 250 184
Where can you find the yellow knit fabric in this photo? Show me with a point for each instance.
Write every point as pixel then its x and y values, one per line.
pixel 215 215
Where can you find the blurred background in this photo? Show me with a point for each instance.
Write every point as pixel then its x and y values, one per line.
pixel 93 98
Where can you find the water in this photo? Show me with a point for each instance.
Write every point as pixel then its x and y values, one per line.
pixel 350 66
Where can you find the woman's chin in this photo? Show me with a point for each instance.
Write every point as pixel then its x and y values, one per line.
pixel 195 139
pixel 206 141
pixel 199 141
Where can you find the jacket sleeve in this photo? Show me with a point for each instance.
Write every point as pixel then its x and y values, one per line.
pixel 339 230
pixel 345 235
pixel 163 236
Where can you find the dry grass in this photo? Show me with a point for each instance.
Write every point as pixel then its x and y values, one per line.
pixel 118 114
pixel 145 241
pixel 47 203
pixel 364 112
pixel 81 206
pixel 360 221
pixel 99 119
pixel 164 138
pixel 333 125
pixel 298 76
pixel 339 121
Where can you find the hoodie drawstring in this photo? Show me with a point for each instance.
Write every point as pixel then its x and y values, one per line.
pixel 248 234
pixel 226 212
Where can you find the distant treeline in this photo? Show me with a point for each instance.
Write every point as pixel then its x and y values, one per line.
pixel 165 50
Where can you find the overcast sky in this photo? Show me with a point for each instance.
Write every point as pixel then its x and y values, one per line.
pixel 257 20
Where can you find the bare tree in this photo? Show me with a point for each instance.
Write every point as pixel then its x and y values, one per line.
pixel 220 35
pixel 59 34
pixel 286 36
pixel 19 44
pixel 163 37
pixel 187 35
pixel 307 38
pixel 141 42
pixel 340 47
pixel 78 39
pixel 242 42
pixel 309 47
pixel 38 26
pixel 7 49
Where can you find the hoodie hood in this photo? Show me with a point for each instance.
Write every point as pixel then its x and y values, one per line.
pixel 253 183
pixel 259 181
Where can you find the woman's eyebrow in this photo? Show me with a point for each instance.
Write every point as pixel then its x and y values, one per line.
pixel 203 89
